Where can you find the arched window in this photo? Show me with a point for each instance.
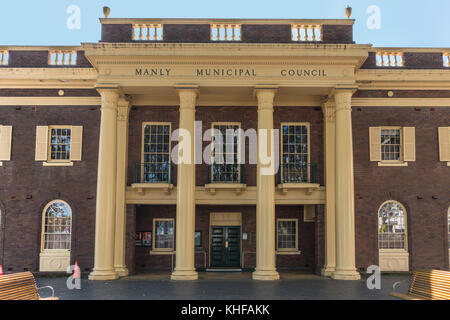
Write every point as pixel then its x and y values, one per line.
pixel 392 226
pixel 56 226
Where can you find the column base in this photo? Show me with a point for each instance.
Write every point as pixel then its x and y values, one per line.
pixel 181 275
pixel 346 275
pixel 103 275
pixel 121 271
pixel 327 271
pixel 265 275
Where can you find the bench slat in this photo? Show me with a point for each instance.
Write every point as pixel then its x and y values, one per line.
pixel 429 285
pixel 18 286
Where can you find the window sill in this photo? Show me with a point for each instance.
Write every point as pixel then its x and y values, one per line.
pixel 310 187
pixel 57 164
pixel 141 187
pixel 392 164
pixel 212 187
pixel 152 252
pixel 297 252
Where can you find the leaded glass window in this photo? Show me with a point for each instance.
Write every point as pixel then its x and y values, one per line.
pixel 392 226
pixel 156 153
pixel 287 234
pixel 60 143
pixel 225 153
pixel 57 226
pixel 295 153
pixel 163 234
pixel 390 145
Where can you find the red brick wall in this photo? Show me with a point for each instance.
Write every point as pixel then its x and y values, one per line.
pixel 337 33
pixel 187 32
pixel 414 186
pixel 26 186
pixel 272 33
pixel 39 59
pixel 117 32
pixel 144 222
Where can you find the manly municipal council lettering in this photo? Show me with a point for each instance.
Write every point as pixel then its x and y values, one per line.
pixel 230 72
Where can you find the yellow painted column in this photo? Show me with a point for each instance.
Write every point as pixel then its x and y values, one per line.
pixel 265 190
pixel 345 198
pixel 185 222
pixel 106 188
pixel 329 118
pixel 122 161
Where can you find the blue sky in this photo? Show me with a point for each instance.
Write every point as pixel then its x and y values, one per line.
pixel 403 23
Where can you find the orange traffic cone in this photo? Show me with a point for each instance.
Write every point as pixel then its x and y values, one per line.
pixel 76 273
pixel 1 270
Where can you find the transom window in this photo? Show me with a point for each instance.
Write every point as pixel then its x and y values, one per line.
pixel 163 231
pixel 226 153
pixel 57 226
pixel 287 234
pixel 390 144
pixel 295 152
pixel 59 147
pixel 392 226
pixel 156 153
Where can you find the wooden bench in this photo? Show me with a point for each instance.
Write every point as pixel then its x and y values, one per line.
pixel 21 286
pixel 427 285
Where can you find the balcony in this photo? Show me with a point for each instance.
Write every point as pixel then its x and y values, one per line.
pixel 297 176
pixel 225 177
pixel 153 176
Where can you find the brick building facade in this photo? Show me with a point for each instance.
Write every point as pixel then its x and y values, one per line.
pixel 364 151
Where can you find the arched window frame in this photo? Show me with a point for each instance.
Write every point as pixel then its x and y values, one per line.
pixel 405 219
pixel 43 225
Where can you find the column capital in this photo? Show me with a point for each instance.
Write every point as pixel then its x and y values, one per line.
pixel 329 110
pixel 188 96
pixel 123 109
pixel 108 88
pixel 265 96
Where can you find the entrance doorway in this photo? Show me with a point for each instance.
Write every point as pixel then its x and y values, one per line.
pixel 225 247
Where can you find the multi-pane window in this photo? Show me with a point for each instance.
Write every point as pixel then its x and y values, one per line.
pixel 390 144
pixel 287 234
pixel 59 146
pixel 225 153
pixel 295 153
pixel 392 226
pixel 57 225
pixel 163 230
pixel 156 153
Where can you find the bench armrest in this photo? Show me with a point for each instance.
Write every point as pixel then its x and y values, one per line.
pixel 404 296
pixel 53 292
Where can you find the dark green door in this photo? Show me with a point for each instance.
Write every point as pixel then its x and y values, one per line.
pixel 226 247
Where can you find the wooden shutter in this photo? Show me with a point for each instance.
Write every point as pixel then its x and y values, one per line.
pixel 375 143
pixel 76 142
pixel 409 144
pixel 41 143
pixel 5 143
pixel 444 143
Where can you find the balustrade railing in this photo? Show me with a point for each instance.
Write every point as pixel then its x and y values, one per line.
pixel 389 59
pixel 306 33
pixel 226 32
pixel 446 58
pixel 62 57
pixel 225 173
pixel 4 57
pixel 148 32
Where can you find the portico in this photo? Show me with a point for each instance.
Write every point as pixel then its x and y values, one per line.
pixel 150 74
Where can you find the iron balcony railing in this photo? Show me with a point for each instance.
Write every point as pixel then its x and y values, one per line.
pixel 225 173
pixel 297 173
pixel 153 173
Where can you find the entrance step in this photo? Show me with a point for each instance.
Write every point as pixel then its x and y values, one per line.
pixel 224 270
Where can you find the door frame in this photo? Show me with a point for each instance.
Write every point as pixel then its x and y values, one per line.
pixel 225 219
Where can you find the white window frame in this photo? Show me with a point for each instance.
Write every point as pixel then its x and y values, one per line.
pixel 405 219
pixel 154 248
pixel 239 153
pixel 43 226
pixel 307 125
pixel 155 123
pixel 288 250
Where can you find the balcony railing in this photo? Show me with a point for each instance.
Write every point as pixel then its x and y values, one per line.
pixel 297 173
pixel 225 173
pixel 62 57
pixel 153 173
pixel 306 33
pixel 226 32
pixel 148 32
